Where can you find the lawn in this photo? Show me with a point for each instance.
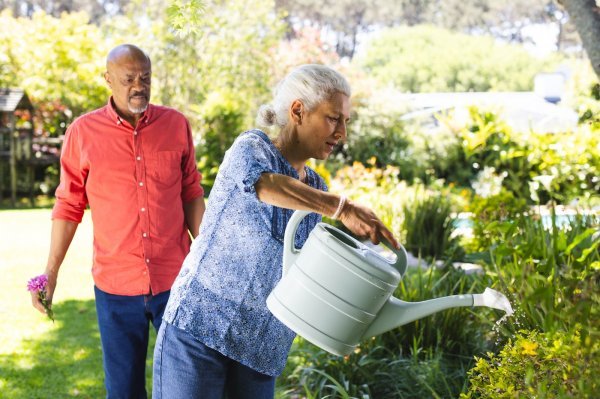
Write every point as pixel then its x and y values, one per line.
pixel 38 358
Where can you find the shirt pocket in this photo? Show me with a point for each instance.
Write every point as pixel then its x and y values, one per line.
pixel 164 167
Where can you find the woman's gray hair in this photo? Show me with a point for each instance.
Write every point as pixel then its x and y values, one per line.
pixel 311 84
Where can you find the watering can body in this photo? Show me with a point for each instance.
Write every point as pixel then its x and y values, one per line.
pixel 336 291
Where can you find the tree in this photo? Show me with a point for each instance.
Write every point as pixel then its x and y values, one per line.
pixel 343 19
pixel 96 10
pixel 509 21
pixel 211 60
pixel 586 17
pixel 58 61
pixel 429 59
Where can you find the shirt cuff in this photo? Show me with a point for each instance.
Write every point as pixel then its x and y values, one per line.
pixel 66 212
pixel 191 193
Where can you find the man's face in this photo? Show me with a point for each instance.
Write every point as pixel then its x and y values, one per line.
pixel 129 79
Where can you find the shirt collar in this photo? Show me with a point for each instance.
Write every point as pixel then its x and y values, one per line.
pixel 114 116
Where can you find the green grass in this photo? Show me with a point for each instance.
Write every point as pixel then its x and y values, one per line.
pixel 38 358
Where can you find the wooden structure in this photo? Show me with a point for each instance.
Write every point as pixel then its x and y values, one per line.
pixel 16 139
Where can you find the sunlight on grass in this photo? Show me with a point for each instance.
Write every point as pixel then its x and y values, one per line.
pixel 24 245
pixel 38 358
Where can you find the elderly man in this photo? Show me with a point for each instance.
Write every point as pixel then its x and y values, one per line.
pixel 133 163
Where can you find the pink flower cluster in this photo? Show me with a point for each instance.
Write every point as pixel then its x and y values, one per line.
pixel 37 284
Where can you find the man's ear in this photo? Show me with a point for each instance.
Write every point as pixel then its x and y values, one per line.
pixel 107 78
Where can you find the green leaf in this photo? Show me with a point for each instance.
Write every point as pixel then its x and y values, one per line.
pixel 578 239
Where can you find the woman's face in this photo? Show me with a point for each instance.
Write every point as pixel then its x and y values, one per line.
pixel 322 128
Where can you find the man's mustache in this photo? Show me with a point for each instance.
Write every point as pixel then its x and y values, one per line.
pixel 139 94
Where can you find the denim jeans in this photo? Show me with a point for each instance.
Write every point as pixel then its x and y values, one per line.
pixel 185 368
pixel 124 324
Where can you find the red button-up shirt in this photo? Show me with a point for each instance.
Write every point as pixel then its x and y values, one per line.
pixel 135 180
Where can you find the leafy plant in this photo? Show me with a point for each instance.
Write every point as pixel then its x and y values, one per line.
pixel 377 131
pixel 493 209
pixel 550 272
pixel 372 371
pixel 428 225
pixel 223 118
pixel 541 365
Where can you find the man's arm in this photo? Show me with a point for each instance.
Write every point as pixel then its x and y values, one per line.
pixel 194 211
pixel 287 192
pixel 60 240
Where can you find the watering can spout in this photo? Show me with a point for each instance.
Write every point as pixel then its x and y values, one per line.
pixel 493 299
pixel 396 313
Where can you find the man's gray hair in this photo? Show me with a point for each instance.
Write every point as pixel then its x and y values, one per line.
pixel 310 83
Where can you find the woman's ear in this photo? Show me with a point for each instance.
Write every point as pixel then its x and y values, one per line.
pixel 296 111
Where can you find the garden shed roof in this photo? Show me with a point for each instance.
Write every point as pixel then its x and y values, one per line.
pixel 13 99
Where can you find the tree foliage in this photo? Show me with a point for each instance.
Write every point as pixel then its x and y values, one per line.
pixel 58 61
pixel 97 10
pixel 211 60
pixel 428 59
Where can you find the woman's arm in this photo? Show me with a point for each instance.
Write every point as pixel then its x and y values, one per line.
pixel 287 192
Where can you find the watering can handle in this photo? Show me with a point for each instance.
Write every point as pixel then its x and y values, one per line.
pixel 290 253
pixel 401 256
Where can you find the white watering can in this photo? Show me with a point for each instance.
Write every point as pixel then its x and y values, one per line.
pixel 336 291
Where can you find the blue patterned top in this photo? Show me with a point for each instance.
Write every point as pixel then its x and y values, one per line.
pixel 220 294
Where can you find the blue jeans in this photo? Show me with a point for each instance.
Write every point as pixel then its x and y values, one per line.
pixel 185 368
pixel 124 323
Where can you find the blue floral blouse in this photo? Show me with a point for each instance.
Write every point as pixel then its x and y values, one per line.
pixel 233 265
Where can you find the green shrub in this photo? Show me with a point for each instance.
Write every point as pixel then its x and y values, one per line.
pixel 372 372
pixel 493 209
pixel 223 117
pixel 538 365
pixel 379 189
pixel 550 273
pixel 571 161
pixel 377 131
pixel 488 142
pixel 428 59
pixel 428 225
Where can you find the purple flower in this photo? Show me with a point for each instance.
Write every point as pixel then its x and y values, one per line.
pixel 38 283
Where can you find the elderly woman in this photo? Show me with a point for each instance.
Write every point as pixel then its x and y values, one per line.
pixel 218 337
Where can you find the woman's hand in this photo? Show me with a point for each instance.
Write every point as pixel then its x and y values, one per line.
pixel 363 222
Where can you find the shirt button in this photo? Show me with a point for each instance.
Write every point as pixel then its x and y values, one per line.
pixel 135 132
pixel 147 260
pixel 141 183
pixel 144 235
pixel 145 273
pixel 143 209
pixel 138 158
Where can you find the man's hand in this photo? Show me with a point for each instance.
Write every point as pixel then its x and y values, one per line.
pixel 35 298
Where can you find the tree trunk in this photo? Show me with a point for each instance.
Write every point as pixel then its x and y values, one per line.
pixel 586 18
